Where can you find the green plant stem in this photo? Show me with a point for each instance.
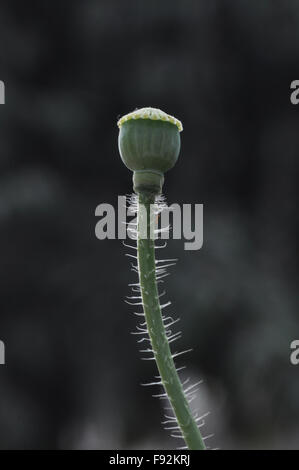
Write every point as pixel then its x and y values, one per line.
pixel 156 329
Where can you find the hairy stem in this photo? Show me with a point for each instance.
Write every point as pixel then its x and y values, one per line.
pixel 156 329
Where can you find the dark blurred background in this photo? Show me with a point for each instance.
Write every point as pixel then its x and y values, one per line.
pixel 71 69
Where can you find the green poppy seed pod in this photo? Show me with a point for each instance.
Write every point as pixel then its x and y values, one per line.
pixel 149 144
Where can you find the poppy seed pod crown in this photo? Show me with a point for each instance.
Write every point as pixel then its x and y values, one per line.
pixel 149 144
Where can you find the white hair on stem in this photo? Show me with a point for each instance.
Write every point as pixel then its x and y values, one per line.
pixel 161 271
